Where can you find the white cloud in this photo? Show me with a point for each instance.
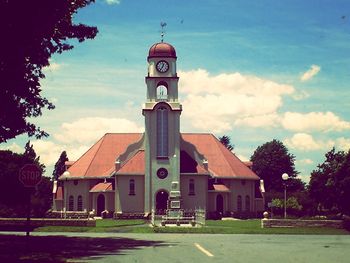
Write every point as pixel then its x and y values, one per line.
pixel 53 66
pixel 268 120
pixel 312 72
pixel 14 147
pixel 342 144
pixel 89 130
pixel 313 121
pixel 243 158
pixel 300 95
pixel 305 161
pixel 305 142
pixel 48 151
pixel 214 102
pixel 113 2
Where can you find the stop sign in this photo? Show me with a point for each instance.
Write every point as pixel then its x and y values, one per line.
pixel 30 175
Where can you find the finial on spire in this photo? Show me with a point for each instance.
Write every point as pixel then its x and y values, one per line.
pixel 162 33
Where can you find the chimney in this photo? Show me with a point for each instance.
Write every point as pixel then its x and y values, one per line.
pixel 117 165
pixel 205 164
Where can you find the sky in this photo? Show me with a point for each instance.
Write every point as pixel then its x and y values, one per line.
pixel 252 70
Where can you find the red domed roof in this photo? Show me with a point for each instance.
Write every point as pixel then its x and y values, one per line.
pixel 162 50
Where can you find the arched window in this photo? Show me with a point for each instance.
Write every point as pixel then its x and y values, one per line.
pixel 162 132
pixel 191 187
pixel 247 203
pixel 239 203
pixel 70 203
pixel 80 203
pixel 162 92
pixel 131 187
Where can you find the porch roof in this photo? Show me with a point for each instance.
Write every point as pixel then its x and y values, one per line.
pixel 102 187
pixel 220 188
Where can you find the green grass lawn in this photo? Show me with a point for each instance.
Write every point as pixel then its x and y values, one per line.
pixel 251 227
pixel 103 225
pixel 212 226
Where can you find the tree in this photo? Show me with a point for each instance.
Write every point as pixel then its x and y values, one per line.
pixel 13 195
pixel 32 31
pixel 330 183
pixel 226 141
pixel 60 166
pixel 270 161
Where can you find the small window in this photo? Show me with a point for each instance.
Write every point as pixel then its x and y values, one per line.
pixel 247 203
pixel 71 203
pixel 75 182
pixel 132 187
pixel 80 203
pixel 191 187
pixel 243 182
pixel 239 203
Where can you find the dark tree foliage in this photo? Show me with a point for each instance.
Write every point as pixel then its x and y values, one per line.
pixel 226 141
pixel 60 166
pixel 31 32
pixel 270 161
pixel 13 195
pixel 330 183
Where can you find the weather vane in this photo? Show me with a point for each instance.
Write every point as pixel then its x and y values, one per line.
pixel 162 32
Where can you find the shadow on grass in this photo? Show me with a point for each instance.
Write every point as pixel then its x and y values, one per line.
pixel 63 249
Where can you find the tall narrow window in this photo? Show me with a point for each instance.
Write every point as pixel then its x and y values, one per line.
pixel 162 92
pixel 162 132
pixel 239 203
pixel 191 187
pixel 131 187
pixel 70 203
pixel 247 203
pixel 80 203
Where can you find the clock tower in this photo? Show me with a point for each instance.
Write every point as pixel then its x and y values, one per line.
pixel 162 130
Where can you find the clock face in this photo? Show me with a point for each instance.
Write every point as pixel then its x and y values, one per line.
pixel 162 66
pixel 162 173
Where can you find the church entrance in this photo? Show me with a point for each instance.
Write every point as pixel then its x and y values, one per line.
pixel 162 201
pixel 219 204
pixel 100 204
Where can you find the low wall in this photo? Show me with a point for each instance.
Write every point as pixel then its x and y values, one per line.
pixel 266 223
pixel 38 222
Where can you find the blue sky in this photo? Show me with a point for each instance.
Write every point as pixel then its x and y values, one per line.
pixel 253 70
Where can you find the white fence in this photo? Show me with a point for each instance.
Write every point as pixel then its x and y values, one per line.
pixel 178 217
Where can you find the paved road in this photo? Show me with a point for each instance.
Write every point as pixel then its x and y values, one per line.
pixel 221 248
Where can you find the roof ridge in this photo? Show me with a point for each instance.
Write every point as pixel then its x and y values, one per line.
pixel 223 149
pixel 93 158
pixel 76 161
pixel 132 156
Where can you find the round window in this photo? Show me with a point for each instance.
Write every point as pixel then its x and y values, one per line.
pixel 162 173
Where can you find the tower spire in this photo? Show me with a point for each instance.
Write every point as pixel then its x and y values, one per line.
pixel 162 32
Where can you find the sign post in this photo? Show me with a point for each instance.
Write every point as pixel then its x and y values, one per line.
pixel 30 176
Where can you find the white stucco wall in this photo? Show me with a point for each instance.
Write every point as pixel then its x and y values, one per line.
pixel 82 188
pixel 198 200
pixel 126 203
pixel 109 201
pixel 243 188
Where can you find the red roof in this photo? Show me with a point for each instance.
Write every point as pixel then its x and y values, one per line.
pixel 99 160
pixel 220 188
pixel 101 187
pixel 221 161
pixel 162 50
pixel 135 165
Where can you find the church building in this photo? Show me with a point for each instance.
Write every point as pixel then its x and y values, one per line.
pixel 133 174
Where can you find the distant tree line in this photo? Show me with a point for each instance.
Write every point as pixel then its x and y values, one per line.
pixel 327 193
